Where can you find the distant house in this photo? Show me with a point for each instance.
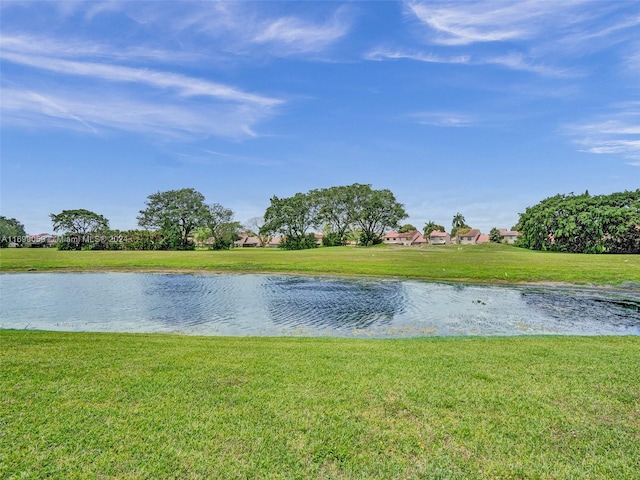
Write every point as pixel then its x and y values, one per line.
pixel 439 238
pixel 319 238
pixel 509 236
pixel 483 238
pixel 247 241
pixel 42 240
pixel 409 238
pixel 471 237
pixel 274 242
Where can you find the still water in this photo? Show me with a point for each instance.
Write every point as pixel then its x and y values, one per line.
pixel 304 306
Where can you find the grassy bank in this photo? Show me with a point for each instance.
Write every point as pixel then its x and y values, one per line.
pixel 476 263
pixel 80 405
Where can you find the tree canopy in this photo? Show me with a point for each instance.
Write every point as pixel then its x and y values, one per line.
pixel 292 217
pixel 430 227
pixel 78 225
pixel 407 228
pixel 495 236
pixel 374 211
pixel 220 225
pixel 338 211
pixel 176 213
pixel 10 229
pixel 458 226
pixel 583 223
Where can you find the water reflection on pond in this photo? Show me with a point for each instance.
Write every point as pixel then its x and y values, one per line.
pixel 303 305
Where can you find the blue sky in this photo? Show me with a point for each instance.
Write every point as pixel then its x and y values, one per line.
pixel 482 108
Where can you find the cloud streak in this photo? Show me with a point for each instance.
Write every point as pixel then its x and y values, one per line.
pixel 185 86
pixel 444 119
pixel 617 134
pixel 455 23
pixel 521 36
pixel 90 111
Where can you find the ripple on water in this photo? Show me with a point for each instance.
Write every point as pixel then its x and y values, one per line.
pixel 303 305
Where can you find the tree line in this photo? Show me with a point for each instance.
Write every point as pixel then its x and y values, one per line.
pixel 583 223
pixel 355 213
pixel 171 220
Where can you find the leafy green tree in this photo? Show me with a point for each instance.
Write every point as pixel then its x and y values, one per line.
pixel 176 213
pixel 82 229
pixel 292 217
pixel 430 227
pixel 407 228
pixel 138 240
pixel 335 211
pixel 10 230
pixel 374 211
pixel 495 236
pixel 220 225
pixel 583 223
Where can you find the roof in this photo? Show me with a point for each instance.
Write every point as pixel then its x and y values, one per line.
pixel 252 241
pixel 508 233
pixel 419 238
pixel 473 233
pixel 401 235
pixel 438 233
pixel 483 238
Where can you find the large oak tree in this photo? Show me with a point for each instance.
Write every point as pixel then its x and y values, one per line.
pixel 177 213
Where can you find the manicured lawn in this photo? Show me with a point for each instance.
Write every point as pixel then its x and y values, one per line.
pixel 82 405
pixel 476 263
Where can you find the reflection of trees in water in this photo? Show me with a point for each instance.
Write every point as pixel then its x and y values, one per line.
pixel 575 307
pixel 330 303
pixel 178 300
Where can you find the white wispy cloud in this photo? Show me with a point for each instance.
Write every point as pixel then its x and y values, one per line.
pixel 444 119
pixel 115 96
pixel 464 23
pixel 292 35
pixel 512 61
pixel 616 134
pixel 398 54
pixel 80 48
pixel 529 35
pixel 94 111
pixel 246 28
pixel 184 85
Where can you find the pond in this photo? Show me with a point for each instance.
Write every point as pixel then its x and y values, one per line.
pixel 273 305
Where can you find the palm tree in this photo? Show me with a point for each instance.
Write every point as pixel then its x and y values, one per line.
pixel 457 224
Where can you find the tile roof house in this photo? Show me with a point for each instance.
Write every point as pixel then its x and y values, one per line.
pixel 471 237
pixel 274 242
pixel 483 238
pixel 439 238
pixel 247 241
pixel 409 238
pixel 509 236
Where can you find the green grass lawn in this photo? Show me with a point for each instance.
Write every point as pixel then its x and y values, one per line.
pixel 474 263
pixel 83 405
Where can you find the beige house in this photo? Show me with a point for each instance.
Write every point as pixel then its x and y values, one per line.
pixel 247 241
pixel 471 237
pixel 509 236
pixel 274 242
pixel 439 238
pixel 406 239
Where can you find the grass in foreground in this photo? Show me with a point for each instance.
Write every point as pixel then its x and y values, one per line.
pixel 473 263
pixel 80 405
